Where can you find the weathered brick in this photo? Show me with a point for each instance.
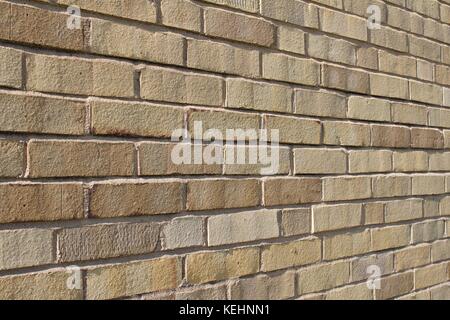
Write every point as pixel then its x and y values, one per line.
pixel 35 114
pixel 264 287
pixel 26 248
pixel 181 14
pixel 395 285
pixel 10 68
pixel 370 161
pixel 440 293
pixel 390 237
pixel 346 188
pixel 135 119
pixel 427 138
pixel 279 191
pixel 388 86
pixel 390 38
pixel 346 245
pixel 345 133
pixel 440 250
pixel 426 93
pixel 345 79
pixel 40 202
pixel 78 158
pixel 369 109
pixel 391 186
pixel 319 161
pixel 320 103
pixel 249 5
pixel 330 49
pixel 428 231
pixel 335 217
pixel 403 210
pixel 390 136
pixel 113 281
pixel 292 254
pixel 136 199
pixel 428 185
pixel 291 39
pixel 367 57
pixel 11 158
pixel 295 130
pixel 292 11
pixel 281 67
pixel 175 86
pixel 203 293
pixel 343 24
pixel 323 277
pixel 439 161
pixel 360 266
pixel 424 48
pixel 353 292
pixel 295 222
pixel 242 227
pixel 182 233
pixel 373 213
pixel 202 267
pixel 222 58
pixel 222 194
pixel 431 275
pixel 225 24
pixel 106 241
pixel 245 94
pixel 409 113
pixel 410 161
pixel 47 285
pixel 412 257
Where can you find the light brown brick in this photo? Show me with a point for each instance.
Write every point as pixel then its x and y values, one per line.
pixel 10 68
pixel 388 86
pixel 281 67
pixel 292 254
pixel 440 250
pixel 343 25
pixel 345 133
pixel 353 292
pixel 360 266
pixel 410 161
pixel 391 136
pixel 292 11
pixel 346 188
pixel 427 138
pixel 370 161
pixel 294 130
pixel 335 217
pixel 112 281
pixel 136 199
pixel 320 103
pixel 369 109
pixel 264 287
pixel 403 210
pixel 319 161
pixel 373 213
pixel 181 14
pixel 395 285
pixel 390 237
pixel 330 49
pixel 202 267
pixel 295 222
pixel 409 113
pixel 279 191
pixel 412 257
pixel 428 231
pixel 346 245
pixel 323 277
pixel 391 186
pixel 428 185
pixel 11 158
pixel 182 233
pixel 345 79
pixel 291 39
pixel 431 275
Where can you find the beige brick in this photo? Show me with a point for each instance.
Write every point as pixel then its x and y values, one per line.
pixel 428 231
pixel 264 287
pixel 113 281
pixel 323 277
pixel 335 217
pixel 345 79
pixel 295 130
pixel 11 158
pixel 360 266
pixel 409 113
pixel 440 250
pixel 292 11
pixel 40 202
pixel 225 24
pixel 366 161
pixel 410 161
pixel 249 5
pixel 425 70
pixel 43 27
pixel 319 161
pixel 444 207
pixel 202 267
pixel 346 134
pixel 295 222
pixel 391 186
pixel 401 65
pixel 424 48
pixel 440 161
pixel 181 14
pixel 291 39
pixel 141 10
pixel 157 159
pixel 245 94
pixel 222 194
pixel 390 237
pixel 79 76
pixel 346 188
pixel 373 213
pixel 403 210
pixel 279 191
pixel 10 68
pixel 439 117
pixel 427 138
pixel 223 121
pixel 346 245
pixel 428 185
pixel 440 293
pixel 360 7
pixel 330 49
pixel 367 57
pixel 426 93
pixel 442 75
pixel 353 292
pixel 431 275
pixel 292 254
pixel 136 199
pixel 320 103
pixel 36 114
pixel 395 285
pixel 136 119
pixel 369 109
pixel 5 21
pixel 26 248
pixel 343 25
pixel 281 67
pixel 391 136
pixel 412 257
pixel 431 208
pixel 428 8
pixel 182 233
pixel 48 285
pixel 222 58
pixel 422 295
pixel 390 38
pixel 175 86
pixel 203 293
pixel 242 227
pixel 388 86
pixel 79 158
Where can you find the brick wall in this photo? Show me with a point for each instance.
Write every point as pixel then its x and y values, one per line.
pixel 92 205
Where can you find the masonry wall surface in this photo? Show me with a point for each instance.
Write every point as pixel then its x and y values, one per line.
pixel 93 207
